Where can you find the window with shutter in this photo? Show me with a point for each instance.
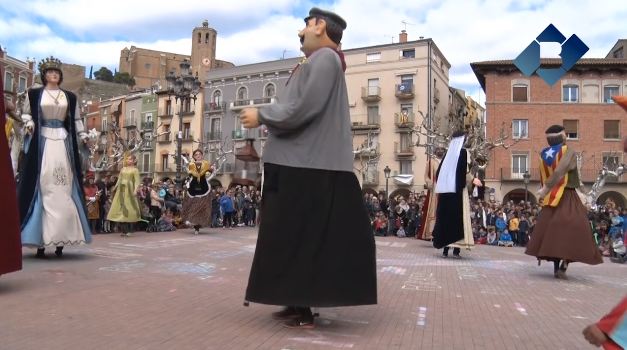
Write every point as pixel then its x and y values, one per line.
pixel 519 93
pixel 611 129
pixel 571 127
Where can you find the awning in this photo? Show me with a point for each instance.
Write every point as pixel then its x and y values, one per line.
pixel 406 179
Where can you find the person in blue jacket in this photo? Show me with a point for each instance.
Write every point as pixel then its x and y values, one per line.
pixel 226 203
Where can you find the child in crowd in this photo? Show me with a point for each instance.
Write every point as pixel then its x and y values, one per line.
pixel 166 222
pixel 505 240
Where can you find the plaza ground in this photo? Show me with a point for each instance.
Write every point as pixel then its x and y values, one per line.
pixel 175 290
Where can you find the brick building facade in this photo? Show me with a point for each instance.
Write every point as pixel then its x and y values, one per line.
pixel 525 106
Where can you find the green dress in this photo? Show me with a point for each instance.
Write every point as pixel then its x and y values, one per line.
pixel 125 205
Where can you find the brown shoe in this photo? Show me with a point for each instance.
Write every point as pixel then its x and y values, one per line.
pixel 300 322
pixel 288 313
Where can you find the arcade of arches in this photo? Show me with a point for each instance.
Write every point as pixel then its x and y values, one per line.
pixel 518 195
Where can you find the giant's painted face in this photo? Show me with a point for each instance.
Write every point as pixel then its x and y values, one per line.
pixel 53 76
pixel 310 36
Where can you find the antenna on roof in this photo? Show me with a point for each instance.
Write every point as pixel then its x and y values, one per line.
pixel 405 23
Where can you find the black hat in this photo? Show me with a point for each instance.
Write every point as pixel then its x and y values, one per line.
pixel 318 13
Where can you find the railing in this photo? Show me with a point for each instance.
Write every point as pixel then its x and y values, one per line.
pixel 404 120
pixel 244 134
pixel 371 178
pixel 404 90
pixel 165 168
pixel 262 101
pixel 365 121
pixel 187 137
pixel 165 113
pixel 130 123
pixel 214 135
pixel 586 174
pixel 370 93
pixel 403 149
pixel 148 125
pixel 263 132
pixel 164 138
pixel 227 168
pixel 215 107
pixel 239 104
pixel 372 152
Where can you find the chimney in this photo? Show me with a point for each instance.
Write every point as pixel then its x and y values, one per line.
pixel 402 37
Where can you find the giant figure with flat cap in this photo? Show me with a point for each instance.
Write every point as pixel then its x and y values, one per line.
pixel 314 249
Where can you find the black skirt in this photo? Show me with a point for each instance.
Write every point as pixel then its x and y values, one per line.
pixel 315 245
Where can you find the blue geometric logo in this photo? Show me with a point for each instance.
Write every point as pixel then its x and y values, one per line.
pixel 572 50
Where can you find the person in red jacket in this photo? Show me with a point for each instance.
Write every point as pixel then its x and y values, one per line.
pixel 10 241
pixel 611 331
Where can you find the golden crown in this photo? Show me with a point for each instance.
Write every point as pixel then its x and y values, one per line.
pixel 49 63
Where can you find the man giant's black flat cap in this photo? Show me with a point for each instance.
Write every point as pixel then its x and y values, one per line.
pixel 317 13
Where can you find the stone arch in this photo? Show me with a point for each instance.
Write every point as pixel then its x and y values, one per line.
pixel 242 93
pixel 216 97
pixel 518 195
pixel 269 90
pixel 400 192
pixel 369 190
pixel 617 197
pixel 215 183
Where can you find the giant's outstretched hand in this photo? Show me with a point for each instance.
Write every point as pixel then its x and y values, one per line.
pixel 249 118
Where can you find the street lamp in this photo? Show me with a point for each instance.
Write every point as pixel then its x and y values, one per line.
pixel 387 172
pixel 526 177
pixel 183 88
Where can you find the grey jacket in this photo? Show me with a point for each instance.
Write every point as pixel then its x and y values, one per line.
pixel 310 125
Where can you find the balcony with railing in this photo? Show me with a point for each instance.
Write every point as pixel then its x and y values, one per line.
pixel 404 120
pixel 165 168
pixel 404 91
pixel 586 175
pixel 370 178
pixel 263 132
pixel 365 123
pixel 227 168
pixel 372 151
pixel 214 107
pixel 244 134
pixel 256 102
pixel 214 136
pixel 165 138
pixel 371 93
pixel 165 113
pixel 403 149
pixel 148 140
pixel 148 125
pixel 188 136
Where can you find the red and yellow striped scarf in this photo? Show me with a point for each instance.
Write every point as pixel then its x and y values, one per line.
pixel 547 168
